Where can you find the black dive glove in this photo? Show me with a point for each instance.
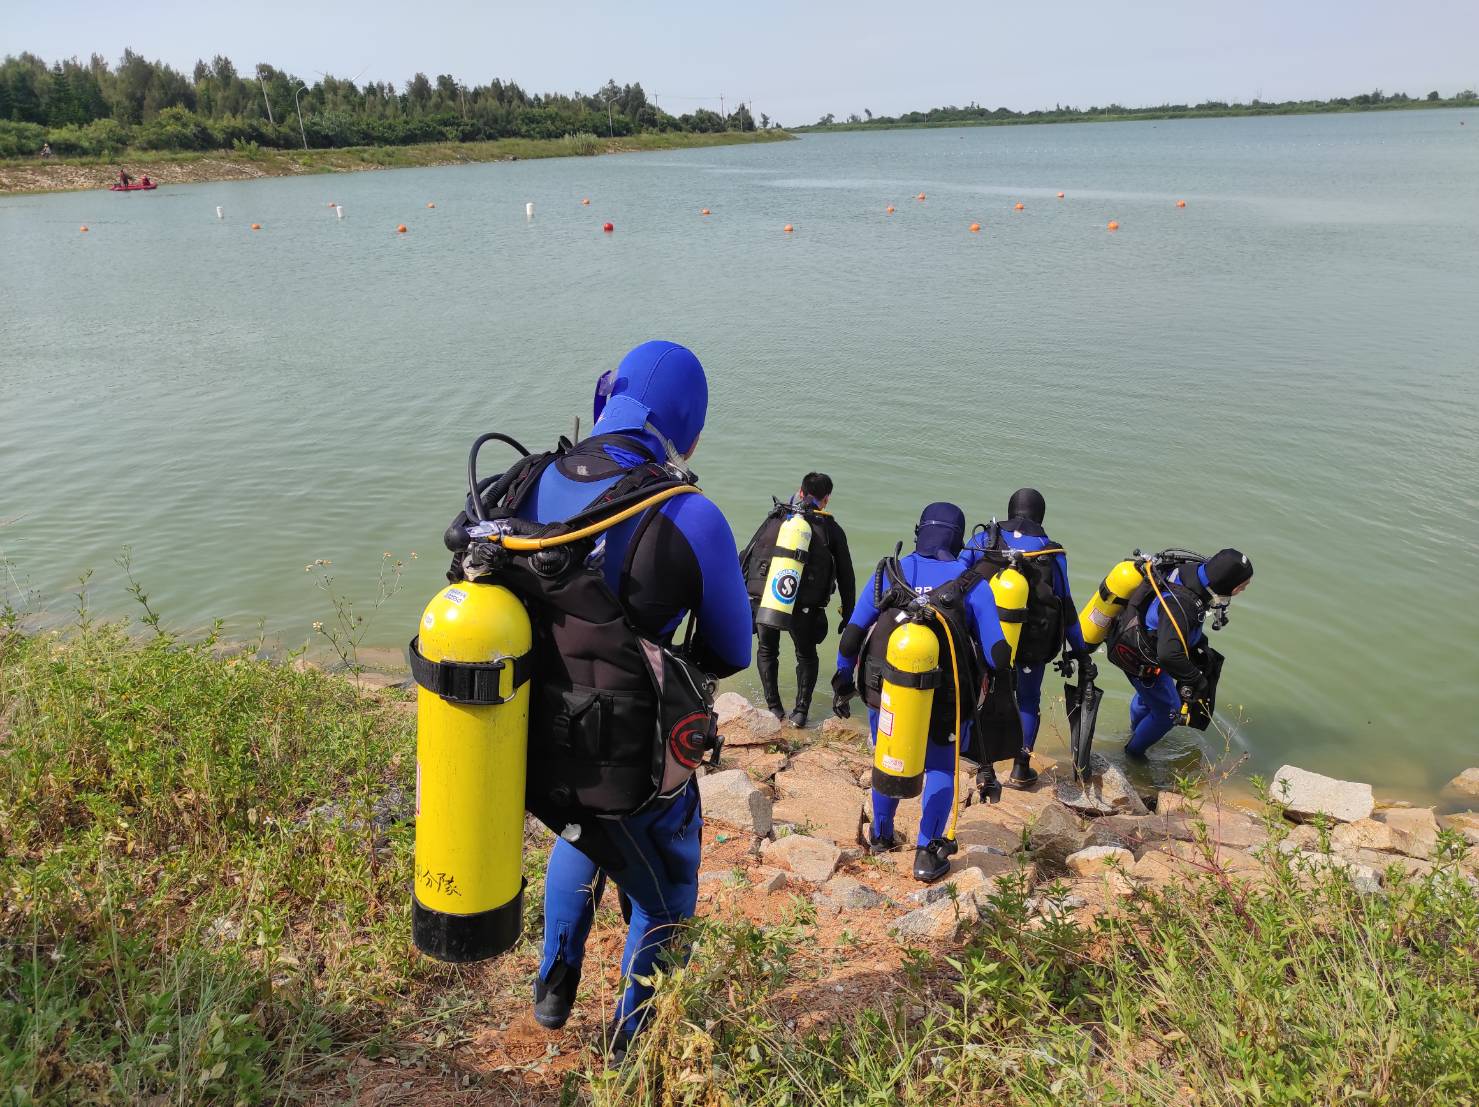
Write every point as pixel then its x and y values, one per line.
pixel 846 615
pixel 1191 692
pixel 843 690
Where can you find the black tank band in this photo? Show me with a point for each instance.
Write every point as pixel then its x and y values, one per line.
pixel 473 683
pixel 459 939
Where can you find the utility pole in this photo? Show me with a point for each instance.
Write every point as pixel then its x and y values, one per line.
pixel 301 131
pixel 264 96
pixel 610 126
pixel 722 115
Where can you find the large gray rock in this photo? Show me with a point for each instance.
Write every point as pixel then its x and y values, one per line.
pixel 843 730
pixel 1305 795
pixel 762 764
pixel 1096 860
pixel 1466 823
pixel 849 894
pixel 744 724
pixel 1055 833
pixel 818 793
pixel 1107 792
pixel 1414 829
pixel 1466 784
pixel 733 797
pixel 939 921
pixel 1313 867
pixel 809 858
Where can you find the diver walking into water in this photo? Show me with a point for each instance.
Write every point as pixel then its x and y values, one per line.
pixel 933 588
pixel 1151 610
pixel 608 545
pixel 794 563
pixel 1049 621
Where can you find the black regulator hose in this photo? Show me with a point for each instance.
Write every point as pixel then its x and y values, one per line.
pixel 474 491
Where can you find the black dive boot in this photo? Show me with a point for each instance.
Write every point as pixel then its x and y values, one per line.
pixel 931 862
pixel 554 997
pixel 806 682
pixel 768 665
pixel 1023 774
pixel 881 845
pixel 988 788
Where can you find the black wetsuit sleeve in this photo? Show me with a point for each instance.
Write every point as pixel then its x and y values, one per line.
pixel 847 581
pixel 1170 652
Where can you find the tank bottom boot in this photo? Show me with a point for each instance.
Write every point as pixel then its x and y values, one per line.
pixel 1023 774
pixel 931 862
pixel 555 996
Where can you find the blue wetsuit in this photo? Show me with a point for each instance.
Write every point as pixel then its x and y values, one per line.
pixel 685 560
pixel 1156 705
pixel 924 574
pixel 1020 534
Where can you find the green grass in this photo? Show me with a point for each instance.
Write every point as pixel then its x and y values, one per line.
pixel 283 162
pixel 176 922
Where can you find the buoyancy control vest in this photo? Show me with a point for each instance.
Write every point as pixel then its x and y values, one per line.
pixel 988 692
pixel 819 577
pixel 1133 646
pixel 618 719
pixel 1043 621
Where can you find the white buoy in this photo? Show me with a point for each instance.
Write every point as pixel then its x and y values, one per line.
pixel 339 210
pixel 529 210
pixel 219 213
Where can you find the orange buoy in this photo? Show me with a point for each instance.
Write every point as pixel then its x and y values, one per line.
pixel 889 209
pixel 1113 225
pixel 788 228
pixel 608 228
pixel 1020 206
pixel 83 228
pixel 401 229
pixel 975 228
pixel 256 226
pixel 704 212
pixel 431 205
pixel 1181 203
pixel 586 202
pixel 1060 195
pixel 920 196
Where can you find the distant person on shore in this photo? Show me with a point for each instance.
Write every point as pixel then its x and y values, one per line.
pixel 123 178
pixel 1158 642
pixel 46 149
pixel 1050 621
pixel 826 568
pixel 979 650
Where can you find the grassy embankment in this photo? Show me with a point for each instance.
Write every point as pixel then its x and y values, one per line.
pixel 205 864
pixel 245 163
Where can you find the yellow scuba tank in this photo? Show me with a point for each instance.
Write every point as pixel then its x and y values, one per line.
pixel 1097 618
pixel 1009 587
pixel 904 703
pixel 471 661
pixel 787 563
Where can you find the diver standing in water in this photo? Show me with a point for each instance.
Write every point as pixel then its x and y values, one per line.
pixel 980 652
pixel 810 574
pixel 1049 621
pixel 1158 641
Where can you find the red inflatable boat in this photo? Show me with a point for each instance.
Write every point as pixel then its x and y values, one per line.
pixel 134 187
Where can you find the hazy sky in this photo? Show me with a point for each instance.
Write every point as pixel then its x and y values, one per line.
pixel 797 61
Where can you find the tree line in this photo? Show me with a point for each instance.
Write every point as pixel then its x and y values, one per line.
pixel 1061 113
pixel 93 108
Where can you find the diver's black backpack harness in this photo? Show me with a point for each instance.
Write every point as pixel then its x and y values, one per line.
pixel 1045 618
pixel 617 720
pixel 987 693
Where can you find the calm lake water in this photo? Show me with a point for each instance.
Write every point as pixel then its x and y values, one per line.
pixel 1288 364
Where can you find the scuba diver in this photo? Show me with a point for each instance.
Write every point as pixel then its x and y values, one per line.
pixel 863 661
pixel 601 770
pixel 1158 640
pixel 1050 619
pixel 824 567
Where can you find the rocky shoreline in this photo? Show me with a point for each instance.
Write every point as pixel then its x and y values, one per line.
pixel 798 799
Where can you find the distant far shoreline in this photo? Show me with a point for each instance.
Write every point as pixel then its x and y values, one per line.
pixel 31 175
pixel 1134 115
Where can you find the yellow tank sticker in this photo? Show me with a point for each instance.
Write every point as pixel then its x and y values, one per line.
pixel 893 764
pixel 885 721
pixel 428 620
pixel 1099 618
